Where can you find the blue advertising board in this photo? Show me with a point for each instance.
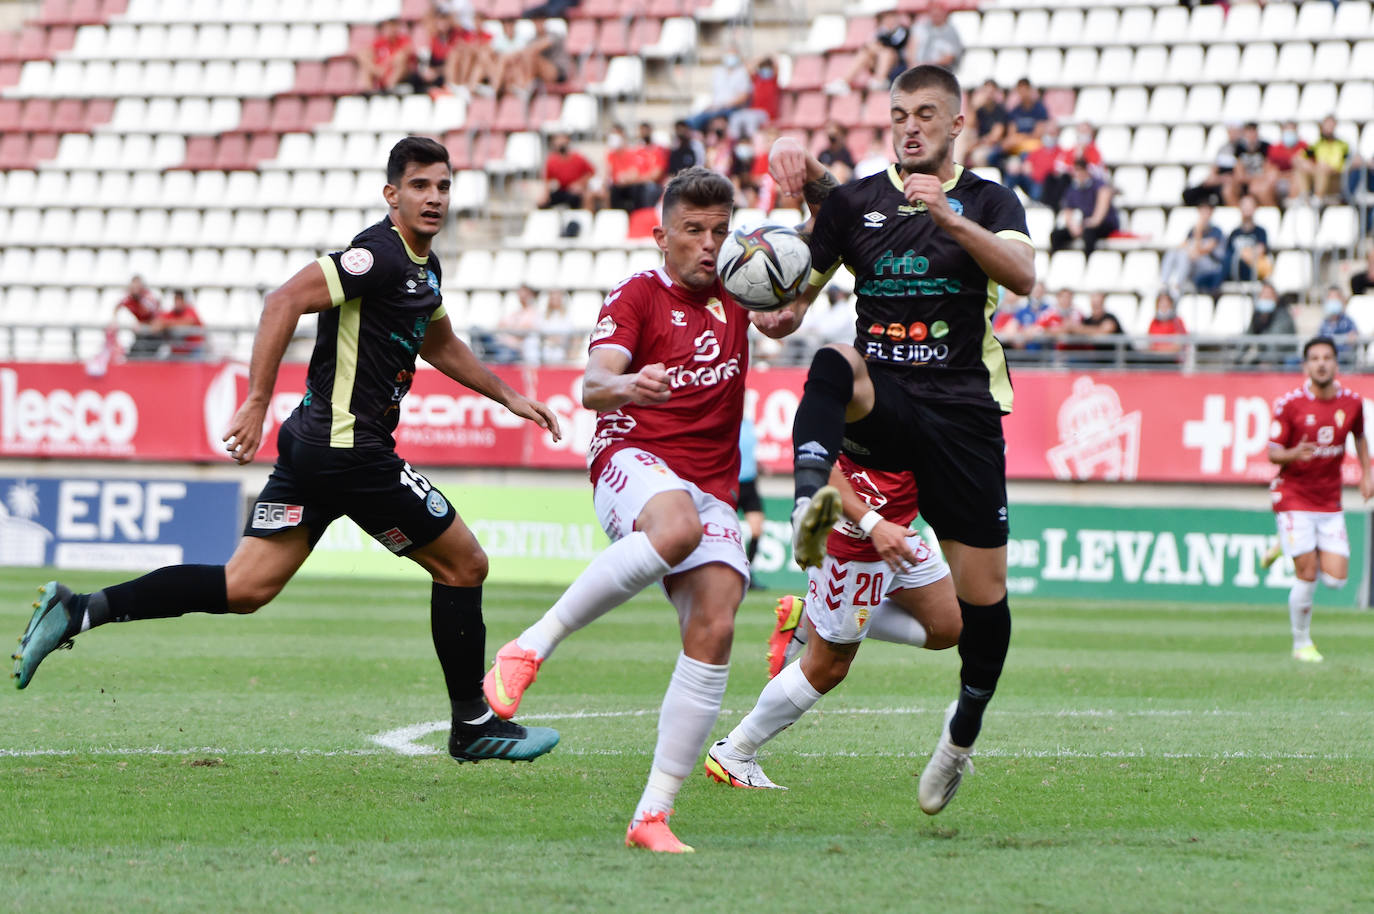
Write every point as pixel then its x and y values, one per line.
pixel 116 524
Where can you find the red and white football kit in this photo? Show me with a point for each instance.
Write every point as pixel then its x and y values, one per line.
pixel 1306 494
pixel 691 441
pixel 853 579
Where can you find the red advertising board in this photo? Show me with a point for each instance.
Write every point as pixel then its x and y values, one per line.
pixel 1147 426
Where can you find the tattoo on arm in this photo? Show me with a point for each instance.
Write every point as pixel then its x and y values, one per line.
pixel 815 192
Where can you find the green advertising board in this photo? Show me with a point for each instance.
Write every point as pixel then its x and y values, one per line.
pixel 547 535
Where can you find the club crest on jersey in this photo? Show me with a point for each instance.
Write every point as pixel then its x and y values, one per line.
pixel 436 504
pixel 708 347
pixel 432 280
pixel 679 318
pixel 604 328
pixel 716 308
pixel 874 219
pixel 356 261
pixel 1340 417
pixel 956 206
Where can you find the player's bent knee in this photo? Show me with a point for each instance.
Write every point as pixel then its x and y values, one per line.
pixel 677 539
pixel 1330 580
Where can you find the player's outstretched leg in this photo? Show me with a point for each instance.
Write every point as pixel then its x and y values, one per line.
pixel 494 738
pixel 945 770
pixel 724 764
pixel 514 671
pixel 812 519
pixel 1300 619
pixel 817 432
pixel 53 625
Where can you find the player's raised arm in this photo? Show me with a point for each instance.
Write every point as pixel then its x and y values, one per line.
pixel 606 386
pixel 445 351
pixel 304 293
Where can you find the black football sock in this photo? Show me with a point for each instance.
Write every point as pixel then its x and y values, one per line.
pixel 818 429
pixel 983 649
pixel 752 549
pixel 460 640
pixel 162 594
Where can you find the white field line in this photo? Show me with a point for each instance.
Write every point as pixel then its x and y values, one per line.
pixel 403 740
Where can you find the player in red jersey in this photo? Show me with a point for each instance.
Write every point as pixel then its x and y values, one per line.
pixel 666 377
pixel 1307 441
pixel 877 578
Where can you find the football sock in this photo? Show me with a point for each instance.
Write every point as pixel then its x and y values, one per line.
pixel 1331 581
pixel 890 622
pixel 818 428
pixel 460 641
pixel 752 550
pixel 689 711
pixel 1300 611
pixel 983 649
pixel 622 570
pixel 162 594
pixel 783 701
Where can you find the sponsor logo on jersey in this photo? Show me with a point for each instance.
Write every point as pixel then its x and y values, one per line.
pixel 679 318
pixel 874 219
pixel 411 287
pixel 392 539
pixel 436 503
pixel 917 331
pixel 356 261
pixel 269 515
pixel 896 332
pixel 1311 419
pixel 911 353
pixel 708 347
pixel 705 376
pixel 604 328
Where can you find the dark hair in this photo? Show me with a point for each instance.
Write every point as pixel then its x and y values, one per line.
pixel 698 186
pixel 930 76
pixel 1318 341
pixel 418 149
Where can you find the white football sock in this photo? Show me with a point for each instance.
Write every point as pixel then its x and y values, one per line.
pixel 890 622
pixel 1331 581
pixel 781 703
pixel 690 708
pixel 1300 611
pixel 622 570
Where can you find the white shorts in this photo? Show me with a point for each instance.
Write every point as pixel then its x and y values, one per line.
pixel 1301 532
pixel 633 476
pixel 841 595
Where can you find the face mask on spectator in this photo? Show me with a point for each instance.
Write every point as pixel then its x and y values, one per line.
pixel 1290 138
pixel 615 141
pixel 1264 305
pixel 730 60
pixel 1333 305
pixel 765 72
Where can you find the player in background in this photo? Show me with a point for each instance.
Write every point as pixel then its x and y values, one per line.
pixel 1307 441
pixel 750 505
pixel 665 375
pixel 878 578
pixel 380 307
pixel 925 387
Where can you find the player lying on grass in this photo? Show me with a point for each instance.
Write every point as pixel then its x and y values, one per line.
pixel 878 577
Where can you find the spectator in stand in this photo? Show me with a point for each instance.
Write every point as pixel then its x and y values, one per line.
pixel 1320 168
pixel 1362 281
pixel 765 100
pixel 511 342
pixel 504 61
pixel 566 174
pixel 653 160
pixel 984 141
pixel 1061 321
pixel 389 60
pixel 1027 123
pixel 178 326
pixel 1198 260
pixel 1269 318
pixel 1166 322
pixel 1247 247
pixel 1278 183
pixel 687 149
pixel 554 342
pixel 1252 153
pixel 934 39
pixel 1060 173
pixel 836 155
pixel 471 58
pixel 720 151
pixel 1088 213
pixel 542 61
pixel 445 39
pixel 881 58
pixel 1211 188
pixel 1005 325
pixel 1033 308
pixel 1101 322
pixel 144 306
pixel 1338 325
pixel 732 86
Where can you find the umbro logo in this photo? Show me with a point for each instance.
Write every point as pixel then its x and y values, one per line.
pixel 874 219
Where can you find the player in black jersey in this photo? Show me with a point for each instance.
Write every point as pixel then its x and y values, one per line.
pixel 380 308
pixel 925 385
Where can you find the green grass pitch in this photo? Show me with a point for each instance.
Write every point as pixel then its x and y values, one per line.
pixel 1138 757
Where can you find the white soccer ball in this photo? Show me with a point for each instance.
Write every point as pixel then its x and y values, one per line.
pixel 764 267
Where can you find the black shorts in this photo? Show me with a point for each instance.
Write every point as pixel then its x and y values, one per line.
pixel 955 450
pixel 749 496
pixel 313 486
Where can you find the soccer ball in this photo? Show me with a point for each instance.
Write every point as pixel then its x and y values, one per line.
pixel 765 266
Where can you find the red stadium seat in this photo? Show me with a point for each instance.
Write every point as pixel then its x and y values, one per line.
pixel 600 9
pixel 919 6
pixel 860 31
pixel 412 10
pixel 506 9
pixel 341 77
pixel 360 38
pixel 786 108
pixel 60 38
pixel 662 9
pixel 309 77
pixel 288 115
pixel 99 111
pixel 319 109
pixel 110 8
pixel 810 112
pixel 262 148
pixel 481 110
pixel 846 108
pixel 53 11
pixel 489 146
pixel 232 153
pixel 254 114
pixel 543 109
pixel 581 37
pixel 594 70
pixel 200 153
pixel 33 43
pixel 614 38
pixel 644 33
pixel 85 12
pixel 9 44
pixel 43 147
pixel 69 116
pixel 808 72
pixel 459 147
pixel 877 110
pixel 512 114
pixel 36 116
pixel 14 151
pixel 9 114
pixel 9 72
pixel 837 65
